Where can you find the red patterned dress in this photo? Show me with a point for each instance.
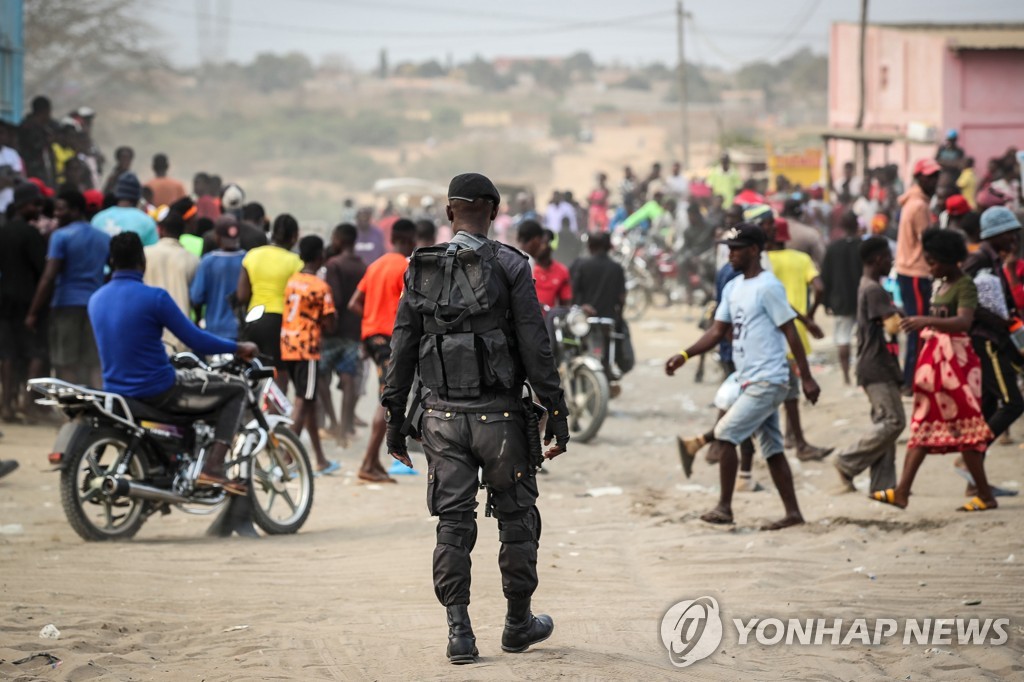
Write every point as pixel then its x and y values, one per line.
pixel 947 384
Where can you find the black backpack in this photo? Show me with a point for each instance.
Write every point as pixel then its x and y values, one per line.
pixel 461 292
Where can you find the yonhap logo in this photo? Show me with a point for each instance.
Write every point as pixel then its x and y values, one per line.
pixel 691 631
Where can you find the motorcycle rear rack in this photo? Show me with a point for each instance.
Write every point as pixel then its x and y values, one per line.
pixel 59 392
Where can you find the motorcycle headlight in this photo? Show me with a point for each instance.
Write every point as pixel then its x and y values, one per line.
pixel 577 323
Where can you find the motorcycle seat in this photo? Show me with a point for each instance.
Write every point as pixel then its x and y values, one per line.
pixel 142 411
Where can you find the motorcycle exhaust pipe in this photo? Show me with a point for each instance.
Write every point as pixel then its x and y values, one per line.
pixel 121 487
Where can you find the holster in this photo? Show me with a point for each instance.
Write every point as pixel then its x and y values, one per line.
pixel 534 414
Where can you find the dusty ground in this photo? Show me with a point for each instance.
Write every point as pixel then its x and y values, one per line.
pixel 350 597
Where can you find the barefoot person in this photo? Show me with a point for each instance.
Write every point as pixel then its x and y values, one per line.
pixel 947 383
pixel 755 308
pixel 878 373
pixel 376 300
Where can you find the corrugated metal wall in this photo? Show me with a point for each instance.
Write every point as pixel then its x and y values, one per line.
pixel 12 60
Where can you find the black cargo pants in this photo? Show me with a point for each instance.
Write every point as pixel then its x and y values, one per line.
pixel 458 445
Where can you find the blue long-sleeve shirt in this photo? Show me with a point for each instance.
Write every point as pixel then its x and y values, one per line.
pixel 128 319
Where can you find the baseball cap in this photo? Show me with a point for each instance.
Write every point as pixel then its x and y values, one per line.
pixel 226 227
pixel 743 235
pixel 46 192
pixel 85 112
pixel 956 205
pixel 93 199
pixel 757 213
pixel 473 186
pixel 997 220
pixel 26 193
pixel 781 230
pixel 926 167
pixel 232 198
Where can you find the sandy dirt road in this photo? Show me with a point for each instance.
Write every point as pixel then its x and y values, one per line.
pixel 350 597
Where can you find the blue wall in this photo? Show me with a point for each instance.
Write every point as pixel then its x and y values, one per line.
pixel 12 60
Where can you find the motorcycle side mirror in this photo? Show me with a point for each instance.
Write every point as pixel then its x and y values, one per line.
pixel 255 314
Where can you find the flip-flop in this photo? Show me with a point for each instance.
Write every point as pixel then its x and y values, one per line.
pixel 332 467
pixel 685 457
pixel 976 504
pixel 716 517
pixel 887 496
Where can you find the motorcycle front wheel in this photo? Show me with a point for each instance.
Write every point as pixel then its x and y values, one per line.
pixel 588 402
pixel 92 513
pixel 281 488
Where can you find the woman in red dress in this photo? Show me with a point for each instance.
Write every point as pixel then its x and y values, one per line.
pixel 947 384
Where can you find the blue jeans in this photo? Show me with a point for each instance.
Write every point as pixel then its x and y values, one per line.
pixel 917 295
pixel 755 411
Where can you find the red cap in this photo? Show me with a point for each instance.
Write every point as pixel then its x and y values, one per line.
pixel 926 167
pixel 46 191
pixel 781 230
pixel 957 205
pixel 93 199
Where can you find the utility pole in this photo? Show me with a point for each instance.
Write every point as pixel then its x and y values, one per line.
pixel 683 102
pixel 862 149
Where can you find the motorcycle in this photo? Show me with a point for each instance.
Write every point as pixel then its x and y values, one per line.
pixel 584 351
pixel 121 461
pixel 641 282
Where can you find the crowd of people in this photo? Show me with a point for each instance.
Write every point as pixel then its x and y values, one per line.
pixel 326 309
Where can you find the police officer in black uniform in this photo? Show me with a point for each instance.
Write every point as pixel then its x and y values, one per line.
pixel 470 323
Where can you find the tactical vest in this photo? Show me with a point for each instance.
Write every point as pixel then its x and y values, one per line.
pixel 461 292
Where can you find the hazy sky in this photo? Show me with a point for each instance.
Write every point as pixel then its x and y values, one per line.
pixel 722 32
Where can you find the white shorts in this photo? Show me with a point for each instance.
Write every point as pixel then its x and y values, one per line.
pixel 844 330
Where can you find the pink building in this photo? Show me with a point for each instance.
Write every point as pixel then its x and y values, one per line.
pixel 922 79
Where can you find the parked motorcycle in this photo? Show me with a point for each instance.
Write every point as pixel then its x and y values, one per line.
pixel 121 460
pixel 584 362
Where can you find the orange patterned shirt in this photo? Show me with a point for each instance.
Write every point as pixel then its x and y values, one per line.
pixel 307 301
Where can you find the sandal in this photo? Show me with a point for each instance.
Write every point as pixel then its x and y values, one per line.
pixel 717 517
pixel 887 496
pixel 976 504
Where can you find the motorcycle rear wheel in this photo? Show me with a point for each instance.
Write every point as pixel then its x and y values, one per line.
pixel 268 484
pixel 92 513
pixel 589 394
pixel 638 299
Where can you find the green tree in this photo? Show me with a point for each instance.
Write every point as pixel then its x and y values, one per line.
pixel 269 72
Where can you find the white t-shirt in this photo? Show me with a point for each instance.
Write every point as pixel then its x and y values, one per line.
pixel 9 157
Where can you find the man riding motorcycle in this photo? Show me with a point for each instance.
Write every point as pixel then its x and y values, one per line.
pixel 128 319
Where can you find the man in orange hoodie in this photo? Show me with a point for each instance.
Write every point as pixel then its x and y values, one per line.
pixel 911 268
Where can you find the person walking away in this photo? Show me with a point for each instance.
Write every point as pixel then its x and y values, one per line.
pixel 22 261
pixel 370 243
pixel 376 301
pixel 309 308
pixel 840 276
pixel 911 268
pixel 261 283
pixel 801 281
pixel 35 135
pixel 598 204
pixel 129 319
pixel 878 373
pixel 75 262
pixel 1001 364
pixel 947 382
pixel 169 266
pixel 213 290
pixel 126 216
pixel 968 183
pixel 755 308
pixel 475 418
pixel 341 344
pixel 166 190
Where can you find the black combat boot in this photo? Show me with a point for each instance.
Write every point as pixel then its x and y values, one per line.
pixel 461 640
pixel 522 628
